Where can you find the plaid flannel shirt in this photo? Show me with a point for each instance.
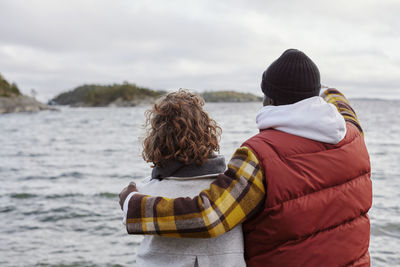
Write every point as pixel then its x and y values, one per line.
pixel 231 199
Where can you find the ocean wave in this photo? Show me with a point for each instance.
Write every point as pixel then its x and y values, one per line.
pixel 23 195
pixel 68 195
pixel 65 213
pixel 7 209
pixel 119 176
pixel 33 177
pixel 72 264
pixel 107 195
pixel 389 229
pixel 73 174
pixel 30 154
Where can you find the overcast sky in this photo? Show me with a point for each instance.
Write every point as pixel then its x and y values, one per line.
pixel 54 46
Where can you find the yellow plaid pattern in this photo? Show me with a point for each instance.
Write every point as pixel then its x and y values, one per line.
pixel 227 203
pixel 333 96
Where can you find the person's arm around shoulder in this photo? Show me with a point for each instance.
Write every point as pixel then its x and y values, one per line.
pixel 232 198
pixel 335 97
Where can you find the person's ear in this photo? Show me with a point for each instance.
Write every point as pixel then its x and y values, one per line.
pixel 268 101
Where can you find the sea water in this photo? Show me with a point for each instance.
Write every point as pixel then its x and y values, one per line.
pixel 61 173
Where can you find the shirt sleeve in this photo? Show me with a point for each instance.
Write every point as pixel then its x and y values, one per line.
pixel 232 198
pixel 335 97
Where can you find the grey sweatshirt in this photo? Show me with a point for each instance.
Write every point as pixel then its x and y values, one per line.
pixel 177 180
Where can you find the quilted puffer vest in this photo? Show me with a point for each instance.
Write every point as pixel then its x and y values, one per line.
pixel 317 199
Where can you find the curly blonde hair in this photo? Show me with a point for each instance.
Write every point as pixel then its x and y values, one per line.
pixel 178 128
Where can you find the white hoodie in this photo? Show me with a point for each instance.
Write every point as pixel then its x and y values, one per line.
pixel 311 118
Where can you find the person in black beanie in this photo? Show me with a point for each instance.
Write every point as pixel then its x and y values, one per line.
pixel 290 78
pixel 301 186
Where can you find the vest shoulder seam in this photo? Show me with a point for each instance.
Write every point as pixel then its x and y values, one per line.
pixel 352 180
pixel 327 229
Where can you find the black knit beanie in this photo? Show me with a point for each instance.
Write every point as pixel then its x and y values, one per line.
pixel 291 78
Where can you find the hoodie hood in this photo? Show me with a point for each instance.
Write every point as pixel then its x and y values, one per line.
pixel 312 118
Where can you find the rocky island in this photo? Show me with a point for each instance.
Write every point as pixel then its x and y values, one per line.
pixel 116 95
pixel 230 96
pixel 128 95
pixel 11 99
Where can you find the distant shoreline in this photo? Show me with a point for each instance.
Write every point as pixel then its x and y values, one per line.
pixel 12 100
pixel 21 103
pixel 129 95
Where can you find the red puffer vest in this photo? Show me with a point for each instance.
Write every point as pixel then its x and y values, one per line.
pixel 317 199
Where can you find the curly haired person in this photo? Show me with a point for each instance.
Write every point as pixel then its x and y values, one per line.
pixel 181 142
